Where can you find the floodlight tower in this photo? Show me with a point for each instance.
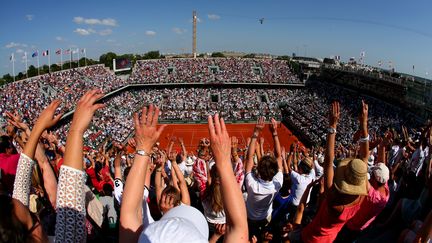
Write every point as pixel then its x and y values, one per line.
pixel 194 23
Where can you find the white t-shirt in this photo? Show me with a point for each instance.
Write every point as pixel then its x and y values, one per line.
pixel 261 194
pixel 298 186
pixel 211 216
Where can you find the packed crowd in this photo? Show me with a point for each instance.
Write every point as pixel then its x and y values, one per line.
pixel 303 110
pixel 374 189
pixel 30 96
pixel 213 70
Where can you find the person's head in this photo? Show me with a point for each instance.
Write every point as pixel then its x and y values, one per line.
pixel 267 168
pixel 380 175
pixel 305 165
pixel 286 186
pixel 213 192
pixel 350 177
pixel 107 189
pixel 170 193
pixel 6 146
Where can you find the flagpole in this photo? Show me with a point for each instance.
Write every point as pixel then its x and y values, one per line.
pixel 38 61
pixel 61 59
pixel 13 66
pixel 49 60
pixel 70 61
pixel 78 56
pixel 25 53
pixel 85 57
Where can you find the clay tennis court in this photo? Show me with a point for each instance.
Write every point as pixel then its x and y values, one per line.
pixel 192 133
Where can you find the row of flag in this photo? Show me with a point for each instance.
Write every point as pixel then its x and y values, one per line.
pixel 47 52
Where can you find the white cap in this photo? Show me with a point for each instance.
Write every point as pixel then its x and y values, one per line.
pixel 180 224
pixel 381 173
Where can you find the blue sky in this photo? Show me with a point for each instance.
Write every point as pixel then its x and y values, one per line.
pixel 397 31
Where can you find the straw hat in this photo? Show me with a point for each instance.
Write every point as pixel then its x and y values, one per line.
pixel 307 161
pixel 351 177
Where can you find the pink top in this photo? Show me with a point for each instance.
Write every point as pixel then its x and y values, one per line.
pixel 326 225
pixel 373 204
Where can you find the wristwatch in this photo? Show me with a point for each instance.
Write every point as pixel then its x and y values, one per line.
pixel 332 130
pixel 142 153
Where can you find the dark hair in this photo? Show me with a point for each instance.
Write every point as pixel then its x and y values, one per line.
pixel 213 192
pixel 12 230
pixel 5 143
pixel 172 191
pixel 286 186
pixel 267 168
pixel 97 168
pixel 305 168
pixel 107 189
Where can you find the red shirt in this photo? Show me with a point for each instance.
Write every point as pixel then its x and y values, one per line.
pixel 96 183
pixel 326 225
pixel 8 165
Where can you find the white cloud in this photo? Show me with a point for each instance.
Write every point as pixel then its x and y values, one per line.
pixel 29 17
pixel 13 44
pixel 19 51
pixel 213 16
pixel 178 30
pixel 93 21
pixel 150 33
pixel 105 32
pixel 59 38
pixel 81 31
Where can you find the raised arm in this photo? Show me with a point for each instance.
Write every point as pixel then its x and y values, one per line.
pixel 334 115
pixel 22 182
pixel 252 145
pixel 235 209
pixel 277 146
pixel 234 146
pixel 364 139
pixel 183 147
pixel 146 135
pixel 185 198
pixel 71 210
pixel 284 161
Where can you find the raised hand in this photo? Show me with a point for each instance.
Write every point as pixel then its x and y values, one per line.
pixel 363 118
pixel 219 140
pixel 261 140
pixel 259 126
pixel 16 121
pixel 334 114
pixel 85 110
pixel 274 126
pixel 47 119
pixel 234 142
pixel 181 141
pixel 146 131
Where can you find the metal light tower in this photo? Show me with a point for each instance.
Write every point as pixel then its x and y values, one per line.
pixel 194 22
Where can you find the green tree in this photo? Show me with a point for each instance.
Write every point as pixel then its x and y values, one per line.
pixel 32 71
pixel 8 78
pixel 45 69
pixel 251 55
pixel 107 58
pixel 20 76
pixel 55 68
pixel 217 54
pixel 283 58
pixel 152 55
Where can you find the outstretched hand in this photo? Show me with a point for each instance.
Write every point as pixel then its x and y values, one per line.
pixel 363 118
pixel 85 110
pixel 47 118
pixel 234 142
pixel 146 131
pixel 259 126
pixel 219 140
pixel 274 126
pixel 334 114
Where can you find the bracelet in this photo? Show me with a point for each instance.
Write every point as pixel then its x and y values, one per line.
pixel 364 140
pixel 331 130
pixel 274 134
pixel 143 153
pixel 254 136
pixel 159 170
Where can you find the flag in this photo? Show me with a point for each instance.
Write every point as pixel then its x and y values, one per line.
pixel 25 55
pixel 58 52
pixel 67 51
pixel 35 54
pixel 12 57
pixel 45 53
pixel 363 54
pixel 83 50
pixel 75 51
pixel 379 63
